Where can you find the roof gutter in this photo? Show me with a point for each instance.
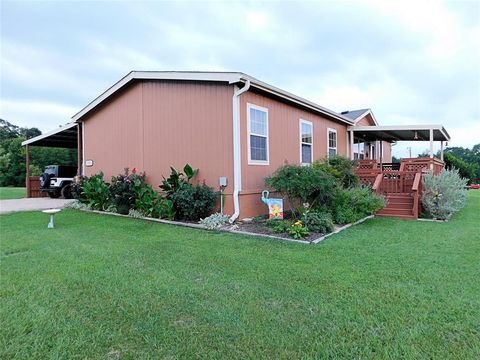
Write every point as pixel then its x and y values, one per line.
pixel 237 156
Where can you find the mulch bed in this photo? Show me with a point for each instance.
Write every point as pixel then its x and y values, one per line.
pixel 258 227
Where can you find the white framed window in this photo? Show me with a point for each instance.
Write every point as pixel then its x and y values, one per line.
pixel 257 123
pixel 331 142
pixel 306 142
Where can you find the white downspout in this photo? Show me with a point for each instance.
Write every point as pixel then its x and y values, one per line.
pixel 237 155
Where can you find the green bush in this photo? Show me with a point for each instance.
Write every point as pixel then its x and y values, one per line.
pixel 176 179
pixel 443 194
pixel 297 230
pixel 122 190
pixel 193 202
pixel 278 226
pixel 352 204
pixel 215 221
pixel 151 204
pixel 96 193
pixel 303 184
pixel 341 168
pixel 319 222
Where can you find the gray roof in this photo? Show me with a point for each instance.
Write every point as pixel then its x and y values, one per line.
pixel 354 114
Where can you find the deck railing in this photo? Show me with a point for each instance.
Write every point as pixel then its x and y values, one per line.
pixel 394 182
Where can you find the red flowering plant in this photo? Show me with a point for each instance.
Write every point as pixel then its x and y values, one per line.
pixel 123 189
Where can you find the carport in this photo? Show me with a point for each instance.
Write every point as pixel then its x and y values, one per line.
pixel 67 136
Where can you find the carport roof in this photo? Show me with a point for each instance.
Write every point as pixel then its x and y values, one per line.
pixel 400 133
pixel 63 137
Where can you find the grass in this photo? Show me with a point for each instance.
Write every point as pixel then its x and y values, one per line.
pixel 12 193
pixel 101 287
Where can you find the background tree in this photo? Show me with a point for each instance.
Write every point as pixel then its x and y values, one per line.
pixel 12 154
pixel 466 160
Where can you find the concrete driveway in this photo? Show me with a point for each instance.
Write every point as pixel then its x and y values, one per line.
pixel 29 204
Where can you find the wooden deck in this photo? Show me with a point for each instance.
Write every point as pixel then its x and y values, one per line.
pixel 402 188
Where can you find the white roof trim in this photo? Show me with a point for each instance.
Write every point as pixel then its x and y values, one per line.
pixel 401 127
pixel 369 111
pixel 229 77
pixel 50 133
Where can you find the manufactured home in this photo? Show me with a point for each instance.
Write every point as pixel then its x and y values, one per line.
pixel 228 124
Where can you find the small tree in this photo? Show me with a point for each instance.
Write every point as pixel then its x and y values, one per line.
pixel 444 194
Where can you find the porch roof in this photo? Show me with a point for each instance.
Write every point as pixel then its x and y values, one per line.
pixel 64 137
pixel 400 133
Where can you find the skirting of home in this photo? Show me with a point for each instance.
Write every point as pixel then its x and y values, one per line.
pixel 233 230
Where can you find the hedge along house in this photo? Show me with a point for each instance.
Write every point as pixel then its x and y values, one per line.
pixel 227 124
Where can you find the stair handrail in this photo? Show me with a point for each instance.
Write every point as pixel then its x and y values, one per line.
pixel 415 189
pixel 377 183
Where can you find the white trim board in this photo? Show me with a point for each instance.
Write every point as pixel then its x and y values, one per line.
pixel 300 122
pixel 250 161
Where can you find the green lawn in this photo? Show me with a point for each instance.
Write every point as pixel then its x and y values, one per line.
pixel 101 287
pixel 12 193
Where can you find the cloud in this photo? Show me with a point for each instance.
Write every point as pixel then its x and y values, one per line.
pixel 411 62
pixel 34 113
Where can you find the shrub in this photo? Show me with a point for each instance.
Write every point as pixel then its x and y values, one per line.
pixel 176 179
pixel 135 214
pixel 123 190
pixel 76 188
pixel 215 221
pixel 443 194
pixel 316 221
pixel 278 225
pixel 341 168
pixel 151 204
pixel 352 204
pixel 297 230
pixel 303 184
pixel 193 202
pixel 96 193
pixel 77 205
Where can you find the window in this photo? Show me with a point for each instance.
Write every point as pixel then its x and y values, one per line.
pixel 332 142
pixel 257 135
pixel 306 142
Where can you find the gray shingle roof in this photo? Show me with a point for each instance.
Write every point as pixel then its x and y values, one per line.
pixel 354 114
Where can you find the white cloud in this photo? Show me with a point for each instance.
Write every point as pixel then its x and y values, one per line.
pixel 34 113
pixel 410 61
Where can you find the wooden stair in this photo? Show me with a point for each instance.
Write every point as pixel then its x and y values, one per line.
pixel 400 205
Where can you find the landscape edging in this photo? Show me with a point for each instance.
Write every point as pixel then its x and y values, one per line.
pixel 233 231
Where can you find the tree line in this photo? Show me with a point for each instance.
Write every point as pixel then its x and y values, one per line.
pixel 12 154
pixel 466 160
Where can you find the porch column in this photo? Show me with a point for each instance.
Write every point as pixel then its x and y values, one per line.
pixel 27 170
pixel 381 155
pixel 431 143
pixel 441 150
pixel 351 145
pixel 79 150
pixel 431 149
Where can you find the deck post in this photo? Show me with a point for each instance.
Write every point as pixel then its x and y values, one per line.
pixel 351 145
pixel 431 148
pixel 441 150
pixel 27 170
pixel 79 150
pixel 381 155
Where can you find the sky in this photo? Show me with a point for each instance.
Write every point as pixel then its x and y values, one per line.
pixel 410 62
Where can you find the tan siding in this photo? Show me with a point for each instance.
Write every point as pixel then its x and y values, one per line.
pixel 366 121
pixel 284 138
pixel 157 124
